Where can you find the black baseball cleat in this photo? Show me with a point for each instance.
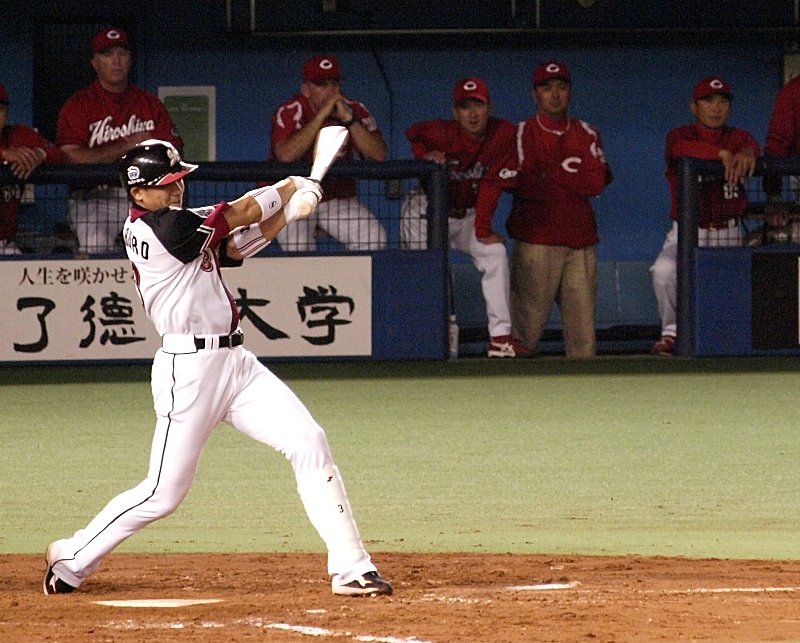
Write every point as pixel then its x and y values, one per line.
pixel 369 584
pixel 52 583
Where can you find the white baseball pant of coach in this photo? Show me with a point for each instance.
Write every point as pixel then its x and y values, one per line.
pixel 347 220
pixel 97 216
pixel 194 390
pixel 665 269
pixel 491 259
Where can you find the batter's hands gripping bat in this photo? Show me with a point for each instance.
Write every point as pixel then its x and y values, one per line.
pixel 329 141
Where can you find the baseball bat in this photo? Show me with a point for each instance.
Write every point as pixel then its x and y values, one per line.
pixel 329 141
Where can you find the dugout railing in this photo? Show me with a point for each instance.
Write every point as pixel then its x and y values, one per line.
pixel 45 226
pixel 742 299
pixel 409 290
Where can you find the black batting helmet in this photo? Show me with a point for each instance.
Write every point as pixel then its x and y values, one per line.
pixel 152 163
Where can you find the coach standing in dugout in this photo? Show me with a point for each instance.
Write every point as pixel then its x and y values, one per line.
pixel 552 222
pixel 295 125
pixel 99 125
pixel 721 201
pixel 478 150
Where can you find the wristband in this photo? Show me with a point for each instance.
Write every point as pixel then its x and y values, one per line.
pixel 269 199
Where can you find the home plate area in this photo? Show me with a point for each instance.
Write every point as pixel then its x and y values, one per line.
pixel 438 598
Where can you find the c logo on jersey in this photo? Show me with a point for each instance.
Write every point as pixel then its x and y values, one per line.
pixel 505 173
pixel 207 265
pixel 570 164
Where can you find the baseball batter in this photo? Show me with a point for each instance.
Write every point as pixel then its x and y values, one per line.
pixel 202 375
pixel 479 151
pixel 98 125
pixel 295 125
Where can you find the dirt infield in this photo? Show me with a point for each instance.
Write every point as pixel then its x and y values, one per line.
pixel 439 598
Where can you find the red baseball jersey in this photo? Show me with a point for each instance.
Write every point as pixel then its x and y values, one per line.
pixel 718 201
pixel 296 113
pixel 479 170
pixel 783 134
pixel 561 166
pixel 94 117
pixel 10 195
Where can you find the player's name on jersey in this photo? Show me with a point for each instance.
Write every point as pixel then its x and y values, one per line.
pixel 68 310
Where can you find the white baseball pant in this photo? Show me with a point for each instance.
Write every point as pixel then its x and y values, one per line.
pixel 193 392
pixel 665 269
pixel 97 216
pixel 347 220
pixel 490 259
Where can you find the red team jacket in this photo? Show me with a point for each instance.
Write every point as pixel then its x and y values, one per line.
pixel 478 170
pixel 10 195
pixel 557 176
pixel 783 134
pixel 296 113
pixel 95 117
pixel 717 201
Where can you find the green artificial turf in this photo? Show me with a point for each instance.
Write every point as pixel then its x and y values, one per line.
pixel 620 455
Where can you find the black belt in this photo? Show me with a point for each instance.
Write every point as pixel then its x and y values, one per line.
pixel 225 341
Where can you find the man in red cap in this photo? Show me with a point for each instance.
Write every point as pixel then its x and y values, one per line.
pixel 99 125
pixel 23 149
pixel 479 152
pixel 561 167
pixel 720 202
pixel 295 125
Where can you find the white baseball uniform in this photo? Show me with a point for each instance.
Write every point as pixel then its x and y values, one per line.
pixel 203 376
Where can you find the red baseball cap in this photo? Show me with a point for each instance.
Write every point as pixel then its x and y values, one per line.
pixel 550 70
pixel 3 94
pixel 320 68
pixel 709 86
pixel 471 88
pixel 109 37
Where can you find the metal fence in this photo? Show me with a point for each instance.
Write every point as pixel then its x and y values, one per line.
pixel 755 227
pixel 54 200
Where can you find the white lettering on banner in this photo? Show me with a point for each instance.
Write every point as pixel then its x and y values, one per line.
pixel 90 310
pixel 101 132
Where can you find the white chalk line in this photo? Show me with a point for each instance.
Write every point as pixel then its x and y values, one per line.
pixel 544 587
pixel 258 622
pixel 161 602
pixel 728 590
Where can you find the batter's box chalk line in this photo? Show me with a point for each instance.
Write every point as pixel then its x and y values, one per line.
pixel 544 587
pixel 258 622
pixel 161 602
pixel 729 590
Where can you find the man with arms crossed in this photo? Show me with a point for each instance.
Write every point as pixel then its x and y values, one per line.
pixel 202 375
pixel 100 124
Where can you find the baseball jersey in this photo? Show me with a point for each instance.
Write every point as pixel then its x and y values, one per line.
pixel 718 201
pixel 783 134
pixel 94 117
pixel 296 113
pixel 478 170
pixel 11 195
pixel 561 166
pixel 175 256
